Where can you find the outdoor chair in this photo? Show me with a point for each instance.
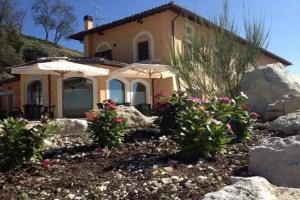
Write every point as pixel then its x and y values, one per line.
pixel 48 111
pixel 100 105
pixel 16 113
pixel 32 111
pixel 145 109
pixel 3 114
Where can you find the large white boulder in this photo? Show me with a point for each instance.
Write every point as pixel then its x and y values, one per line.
pixel 288 124
pixel 277 160
pixel 135 119
pixel 72 125
pixel 272 90
pixel 253 188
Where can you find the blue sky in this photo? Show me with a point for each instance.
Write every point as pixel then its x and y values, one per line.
pixel 282 17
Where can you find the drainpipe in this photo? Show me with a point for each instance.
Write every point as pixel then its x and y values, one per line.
pixel 173 29
pixel 173 43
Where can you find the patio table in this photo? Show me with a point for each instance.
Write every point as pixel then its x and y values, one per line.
pixel 33 111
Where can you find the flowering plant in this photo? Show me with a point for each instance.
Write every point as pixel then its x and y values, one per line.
pixel 200 134
pixel 19 144
pixel 167 109
pixel 107 128
pixel 203 127
pixel 236 114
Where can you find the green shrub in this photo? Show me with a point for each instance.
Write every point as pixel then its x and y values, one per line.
pixel 203 127
pixel 200 134
pixel 167 110
pixel 234 113
pixel 20 145
pixel 107 129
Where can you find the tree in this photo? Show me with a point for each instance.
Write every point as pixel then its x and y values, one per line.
pixel 54 15
pixel 213 60
pixel 20 16
pixel 64 20
pixel 11 47
pixel 10 15
pixel 43 15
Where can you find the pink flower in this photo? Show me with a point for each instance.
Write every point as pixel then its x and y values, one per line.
pixel 245 106
pixel 117 120
pixel 254 115
pixel 203 100
pixel 229 128
pixel 111 106
pixel 47 163
pixel 225 100
pixel 216 122
pixel 197 99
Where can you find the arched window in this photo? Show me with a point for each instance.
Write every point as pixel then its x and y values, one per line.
pixel 78 96
pixel 143 47
pixel 104 50
pixel 139 93
pixel 117 91
pixel 35 93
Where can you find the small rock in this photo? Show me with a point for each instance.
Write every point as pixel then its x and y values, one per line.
pixel 156 184
pixel 168 169
pixel 163 138
pixel 118 175
pixel 189 184
pixel 201 179
pixel 166 180
pixel 212 168
pixel 70 196
pixel 101 188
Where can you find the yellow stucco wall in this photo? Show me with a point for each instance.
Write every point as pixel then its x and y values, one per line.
pixel 11 87
pixel 121 38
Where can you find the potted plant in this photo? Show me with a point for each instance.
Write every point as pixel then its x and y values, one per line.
pixel 91 115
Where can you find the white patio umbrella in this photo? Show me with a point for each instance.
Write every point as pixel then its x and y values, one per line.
pixel 61 68
pixel 144 71
pixel 151 71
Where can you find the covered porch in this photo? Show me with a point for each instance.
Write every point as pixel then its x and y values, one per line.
pixel 75 93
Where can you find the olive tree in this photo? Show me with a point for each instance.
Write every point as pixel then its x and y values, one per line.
pixel 10 14
pixel 56 16
pixel 213 60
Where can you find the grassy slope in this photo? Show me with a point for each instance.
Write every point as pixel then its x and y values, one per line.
pixel 35 47
pixel 48 48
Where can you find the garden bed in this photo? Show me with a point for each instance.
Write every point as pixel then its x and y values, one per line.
pixel 144 167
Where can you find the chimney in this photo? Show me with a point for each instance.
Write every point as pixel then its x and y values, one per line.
pixel 88 22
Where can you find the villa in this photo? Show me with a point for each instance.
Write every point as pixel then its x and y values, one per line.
pixel 140 38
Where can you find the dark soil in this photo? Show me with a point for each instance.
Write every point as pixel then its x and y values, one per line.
pixel 143 167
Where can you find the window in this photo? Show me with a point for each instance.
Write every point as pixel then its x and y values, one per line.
pixel 117 91
pixel 78 96
pixel 143 50
pixel 34 91
pixel 105 54
pixel 139 93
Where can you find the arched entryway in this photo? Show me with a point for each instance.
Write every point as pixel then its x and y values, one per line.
pixel 35 93
pixel 78 96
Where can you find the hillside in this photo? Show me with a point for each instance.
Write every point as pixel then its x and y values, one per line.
pixel 35 47
pixel 16 49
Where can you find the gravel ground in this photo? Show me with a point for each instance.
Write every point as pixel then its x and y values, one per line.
pixel 144 167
